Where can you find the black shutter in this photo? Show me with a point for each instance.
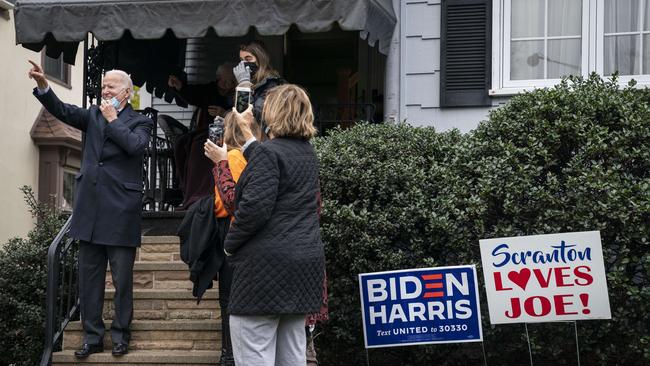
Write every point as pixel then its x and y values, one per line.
pixel 465 53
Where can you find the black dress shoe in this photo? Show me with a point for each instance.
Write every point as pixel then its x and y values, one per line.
pixel 88 349
pixel 120 349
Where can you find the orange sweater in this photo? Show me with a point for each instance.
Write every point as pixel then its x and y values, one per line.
pixel 237 163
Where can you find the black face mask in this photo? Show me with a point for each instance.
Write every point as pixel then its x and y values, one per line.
pixel 253 67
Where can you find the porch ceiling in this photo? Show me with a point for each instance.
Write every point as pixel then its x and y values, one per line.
pixel 61 25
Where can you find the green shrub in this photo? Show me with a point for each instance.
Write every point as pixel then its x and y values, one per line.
pixel 23 283
pixel 571 158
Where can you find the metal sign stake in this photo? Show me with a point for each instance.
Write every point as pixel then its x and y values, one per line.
pixel 484 354
pixel 530 351
pixel 575 324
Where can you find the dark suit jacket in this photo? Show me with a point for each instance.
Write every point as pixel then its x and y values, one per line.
pixel 108 195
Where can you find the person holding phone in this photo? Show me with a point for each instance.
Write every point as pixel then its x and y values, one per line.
pixel 274 242
pixel 108 201
pixel 212 99
pixel 256 72
pixel 229 157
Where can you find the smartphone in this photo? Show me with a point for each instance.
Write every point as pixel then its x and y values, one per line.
pixel 243 97
pixel 215 131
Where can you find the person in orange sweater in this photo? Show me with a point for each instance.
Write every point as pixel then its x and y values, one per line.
pixel 235 162
pixel 226 176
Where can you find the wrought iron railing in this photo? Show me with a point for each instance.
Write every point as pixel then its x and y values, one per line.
pixel 62 297
pixel 161 184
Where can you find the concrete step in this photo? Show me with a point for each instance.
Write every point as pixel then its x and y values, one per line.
pixel 158 275
pixel 140 358
pixel 168 305
pixel 159 249
pixel 186 335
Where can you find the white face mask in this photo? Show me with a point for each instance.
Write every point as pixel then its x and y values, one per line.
pixel 115 102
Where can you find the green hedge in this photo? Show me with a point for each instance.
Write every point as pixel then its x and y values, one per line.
pixel 23 282
pixel 571 158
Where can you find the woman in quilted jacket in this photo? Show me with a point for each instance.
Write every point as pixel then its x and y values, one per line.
pixel 274 242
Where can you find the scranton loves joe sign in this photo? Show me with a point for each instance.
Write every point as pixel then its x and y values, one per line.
pixel 420 306
pixel 545 278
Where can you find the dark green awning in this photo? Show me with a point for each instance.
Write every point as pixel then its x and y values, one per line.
pixel 61 25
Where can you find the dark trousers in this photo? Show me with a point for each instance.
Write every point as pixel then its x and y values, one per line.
pixel 92 282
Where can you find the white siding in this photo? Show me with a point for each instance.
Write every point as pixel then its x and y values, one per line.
pixel 420 71
pixel 19 155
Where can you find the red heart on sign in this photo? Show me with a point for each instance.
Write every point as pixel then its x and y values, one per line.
pixel 520 278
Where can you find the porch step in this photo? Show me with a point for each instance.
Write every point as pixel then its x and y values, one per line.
pixel 169 328
pixel 168 305
pixel 161 222
pixel 158 275
pixel 159 249
pixel 186 335
pixel 140 358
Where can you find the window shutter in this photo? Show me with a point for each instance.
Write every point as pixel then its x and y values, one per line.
pixel 465 53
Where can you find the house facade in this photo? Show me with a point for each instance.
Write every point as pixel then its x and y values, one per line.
pixel 450 61
pixel 447 64
pixel 35 149
pixel 460 58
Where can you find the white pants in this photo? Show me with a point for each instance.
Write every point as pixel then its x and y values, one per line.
pixel 276 340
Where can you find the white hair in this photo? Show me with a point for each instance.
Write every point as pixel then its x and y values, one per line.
pixel 127 83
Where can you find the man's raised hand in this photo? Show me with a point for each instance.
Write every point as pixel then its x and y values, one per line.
pixel 36 73
pixel 108 111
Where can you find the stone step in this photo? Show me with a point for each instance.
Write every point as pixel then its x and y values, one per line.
pixel 159 249
pixel 140 358
pixel 187 335
pixel 158 275
pixel 168 305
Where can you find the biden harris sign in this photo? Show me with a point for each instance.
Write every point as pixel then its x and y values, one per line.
pixel 420 306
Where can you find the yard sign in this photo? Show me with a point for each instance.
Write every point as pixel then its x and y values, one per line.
pixel 420 306
pixel 545 278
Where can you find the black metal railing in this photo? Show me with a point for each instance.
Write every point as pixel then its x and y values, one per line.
pixel 62 298
pixel 161 184
pixel 161 180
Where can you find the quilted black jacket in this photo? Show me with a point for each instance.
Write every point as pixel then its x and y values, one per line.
pixel 275 242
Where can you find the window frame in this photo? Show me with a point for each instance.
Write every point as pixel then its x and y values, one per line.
pixel 73 172
pixel 68 72
pixel 643 79
pixel 593 22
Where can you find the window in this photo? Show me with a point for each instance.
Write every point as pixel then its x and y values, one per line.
pixel 624 39
pixel 56 69
pixel 537 42
pixel 68 187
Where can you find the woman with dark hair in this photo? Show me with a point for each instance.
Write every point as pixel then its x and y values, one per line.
pixel 255 70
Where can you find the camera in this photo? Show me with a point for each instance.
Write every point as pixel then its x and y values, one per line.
pixel 215 131
pixel 242 98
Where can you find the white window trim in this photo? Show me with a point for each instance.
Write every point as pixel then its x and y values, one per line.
pixel 642 80
pixel 592 50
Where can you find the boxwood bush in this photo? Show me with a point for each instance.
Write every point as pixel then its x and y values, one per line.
pixel 574 157
pixel 23 283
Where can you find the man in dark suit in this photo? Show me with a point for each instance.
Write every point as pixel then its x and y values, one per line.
pixel 108 201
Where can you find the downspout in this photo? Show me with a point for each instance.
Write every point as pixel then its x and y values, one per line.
pixel 392 72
